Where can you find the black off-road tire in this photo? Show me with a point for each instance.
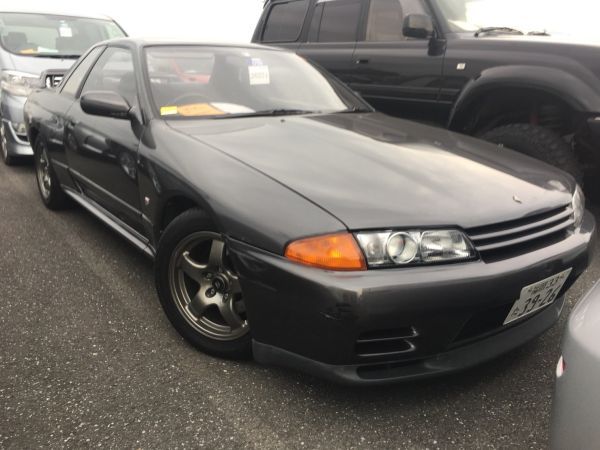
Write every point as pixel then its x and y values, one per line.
pixel 190 225
pixel 51 192
pixel 539 143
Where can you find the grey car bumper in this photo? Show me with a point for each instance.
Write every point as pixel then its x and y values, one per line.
pixel 12 113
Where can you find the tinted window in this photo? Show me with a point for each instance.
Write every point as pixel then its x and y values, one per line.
pixel 45 34
pixel 114 72
pixel 386 18
pixel 285 21
pixel 338 21
pixel 74 81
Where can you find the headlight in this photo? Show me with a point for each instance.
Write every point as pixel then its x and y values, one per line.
pixel 18 83
pixel 578 206
pixel 391 248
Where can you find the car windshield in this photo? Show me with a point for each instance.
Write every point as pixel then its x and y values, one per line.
pixel 51 35
pixel 224 82
pixel 531 16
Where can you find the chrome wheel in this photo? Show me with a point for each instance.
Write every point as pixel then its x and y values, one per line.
pixel 205 289
pixel 42 169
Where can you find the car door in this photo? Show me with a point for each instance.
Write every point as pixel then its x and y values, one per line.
pixel 398 75
pixel 102 151
pixel 331 36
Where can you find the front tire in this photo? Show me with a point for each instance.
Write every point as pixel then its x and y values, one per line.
pixel 8 159
pixel 539 143
pixel 48 184
pixel 199 289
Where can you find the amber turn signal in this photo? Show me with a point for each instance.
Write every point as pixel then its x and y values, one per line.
pixel 331 252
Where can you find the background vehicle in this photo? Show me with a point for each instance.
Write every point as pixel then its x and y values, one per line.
pixel 31 43
pixel 289 219
pixel 577 399
pixel 446 62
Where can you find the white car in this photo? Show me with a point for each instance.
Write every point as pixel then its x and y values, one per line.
pixel 576 415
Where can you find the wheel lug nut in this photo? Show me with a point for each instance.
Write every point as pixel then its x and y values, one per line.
pixel 218 284
pixel 211 292
pixel 225 297
pixel 208 276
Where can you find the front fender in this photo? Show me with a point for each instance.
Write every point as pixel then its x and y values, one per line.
pixel 575 92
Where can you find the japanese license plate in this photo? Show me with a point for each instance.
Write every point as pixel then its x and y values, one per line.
pixel 537 296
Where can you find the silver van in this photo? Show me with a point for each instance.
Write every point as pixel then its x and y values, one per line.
pixel 31 44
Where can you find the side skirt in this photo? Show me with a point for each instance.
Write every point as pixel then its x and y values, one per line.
pixel 113 222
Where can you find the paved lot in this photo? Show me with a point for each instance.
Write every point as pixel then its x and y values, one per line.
pixel 88 359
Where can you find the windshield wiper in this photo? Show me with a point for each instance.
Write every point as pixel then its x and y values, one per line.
pixel 268 113
pixel 55 56
pixel 355 109
pixel 504 30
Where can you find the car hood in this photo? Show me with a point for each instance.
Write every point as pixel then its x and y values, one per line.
pixel 373 171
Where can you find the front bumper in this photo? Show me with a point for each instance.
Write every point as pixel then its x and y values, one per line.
pixel 12 112
pixel 389 325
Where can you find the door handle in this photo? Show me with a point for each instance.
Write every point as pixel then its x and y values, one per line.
pixel 362 61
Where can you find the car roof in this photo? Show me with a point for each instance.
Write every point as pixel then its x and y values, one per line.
pixel 147 42
pixel 54 13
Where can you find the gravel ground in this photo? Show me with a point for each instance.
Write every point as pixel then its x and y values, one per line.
pixel 87 359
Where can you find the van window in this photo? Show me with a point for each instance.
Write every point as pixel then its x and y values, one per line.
pixel 335 21
pixel 285 21
pixel 386 19
pixel 51 35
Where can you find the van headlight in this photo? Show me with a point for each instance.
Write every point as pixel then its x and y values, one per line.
pixel 578 205
pixel 20 84
pixel 415 247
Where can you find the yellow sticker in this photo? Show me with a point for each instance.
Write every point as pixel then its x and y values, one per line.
pixel 168 111
pixel 199 109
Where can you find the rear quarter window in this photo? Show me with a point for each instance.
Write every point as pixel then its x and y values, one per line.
pixel 284 22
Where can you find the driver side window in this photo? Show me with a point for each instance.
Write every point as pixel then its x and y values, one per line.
pixel 114 72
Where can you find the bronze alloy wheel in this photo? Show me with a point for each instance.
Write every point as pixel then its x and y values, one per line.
pixel 204 288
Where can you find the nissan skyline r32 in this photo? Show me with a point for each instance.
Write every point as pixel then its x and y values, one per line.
pixel 291 222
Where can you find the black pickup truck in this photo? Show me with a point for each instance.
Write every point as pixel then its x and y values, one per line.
pixel 429 60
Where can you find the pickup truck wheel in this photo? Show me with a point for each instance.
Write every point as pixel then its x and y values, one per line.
pixel 48 184
pixel 199 289
pixel 539 143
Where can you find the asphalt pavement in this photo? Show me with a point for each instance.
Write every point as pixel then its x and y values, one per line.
pixel 87 359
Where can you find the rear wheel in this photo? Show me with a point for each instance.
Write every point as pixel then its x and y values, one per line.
pixel 199 289
pixel 539 143
pixel 52 194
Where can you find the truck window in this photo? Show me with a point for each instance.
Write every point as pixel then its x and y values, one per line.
pixel 386 19
pixel 285 21
pixel 335 21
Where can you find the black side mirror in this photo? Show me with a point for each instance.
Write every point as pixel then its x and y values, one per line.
pixel 106 104
pixel 418 26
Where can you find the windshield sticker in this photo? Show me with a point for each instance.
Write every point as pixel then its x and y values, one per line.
pixel 168 111
pixel 65 30
pixel 259 75
pixel 199 109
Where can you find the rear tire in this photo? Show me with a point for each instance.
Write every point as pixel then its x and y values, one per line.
pixel 198 288
pixel 48 184
pixel 539 143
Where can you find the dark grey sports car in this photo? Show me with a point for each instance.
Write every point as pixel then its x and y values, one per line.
pixel 289 220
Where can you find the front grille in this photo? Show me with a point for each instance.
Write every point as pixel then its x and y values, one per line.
pixel 386 342
pixel 541 229
pixel 53 80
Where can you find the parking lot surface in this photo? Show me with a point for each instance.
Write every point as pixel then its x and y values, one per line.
pixel 87 358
